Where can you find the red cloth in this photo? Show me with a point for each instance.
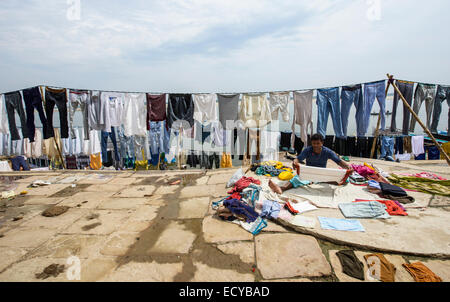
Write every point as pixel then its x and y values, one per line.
pixel 235 195
pixel 243 183
pixel 392 207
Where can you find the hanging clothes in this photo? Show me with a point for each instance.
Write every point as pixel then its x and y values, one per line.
pixel 278 103
pixel 180 108
pixel 328 103
pixel 104 144
pixel 3 117
pixel 33 149
pixel 205 107
pixel 98 112
pixel 135 114
pixel 302 115
pixel 115 103
pixel 427 93
pixel 13 102
pixel 79 98
pixel 156 108
pixel 442 94
pixel 406 89
pixel 352 95
pixel 270 142
pixel 350 264
pixel 417 144
pixel 228 109
pixel 371 91
pixel 56 97
pixel 255 112
pixel 33 100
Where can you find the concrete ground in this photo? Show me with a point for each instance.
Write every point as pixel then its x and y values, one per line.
pixel 135 226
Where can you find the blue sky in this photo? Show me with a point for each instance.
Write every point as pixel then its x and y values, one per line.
pixel 221 46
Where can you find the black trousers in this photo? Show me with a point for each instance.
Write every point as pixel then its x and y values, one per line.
pixel 13 102
pixel 33 100
pixel 56 97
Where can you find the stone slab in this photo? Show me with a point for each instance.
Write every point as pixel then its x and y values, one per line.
pixel 430 236
pixel 47 190
pixel 42 200
pixel 193 208
pixel 120 203
pixel 123 181
pixel 204 273
pixel 136 191
pixel 118 244
pixel 145 272
pixel 64 246
pixel 25 271
pixel 106 223
pixel 105 188
pixel 175 239
pixel 163 190
pixel 245 250
pixel 85 200
pixel 56 222
pixel 305 258
pixel 26 237
pixel 219 178
pixel 10 255
pixel 218 231
pixel 196 191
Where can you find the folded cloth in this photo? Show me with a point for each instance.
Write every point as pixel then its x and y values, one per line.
pixel 303 207
pixel 239 208
pixel 388 189
pixel 270 209
pixel 393 207
pixel 340 224
pixel 374 184
pixel 363 170
pixel 367 209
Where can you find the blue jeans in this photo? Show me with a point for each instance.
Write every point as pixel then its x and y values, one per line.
pixel 328 102
pixel 352 95
pixel 372 90
pixel 104 144
pixel 387 146
pixel 158 138
pixel 443 93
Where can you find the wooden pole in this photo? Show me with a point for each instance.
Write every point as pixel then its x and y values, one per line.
pixel 372 152
pixel 405 103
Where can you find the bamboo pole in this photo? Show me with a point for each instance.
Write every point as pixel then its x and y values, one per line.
pixel 405 103
pixel 372 152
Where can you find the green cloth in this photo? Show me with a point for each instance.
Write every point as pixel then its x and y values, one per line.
pixel 264 170
pixel 430 186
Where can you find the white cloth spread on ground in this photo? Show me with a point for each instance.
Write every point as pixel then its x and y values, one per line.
pixel 330 196
pixel 270 143
pixel 315 174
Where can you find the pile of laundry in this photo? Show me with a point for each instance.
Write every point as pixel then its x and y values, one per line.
pixel 273 169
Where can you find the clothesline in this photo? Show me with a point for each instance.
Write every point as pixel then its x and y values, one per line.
pixel 249 92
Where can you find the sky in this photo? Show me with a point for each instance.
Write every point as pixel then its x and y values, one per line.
pixel 221 45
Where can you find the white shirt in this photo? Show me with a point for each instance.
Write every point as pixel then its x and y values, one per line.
pixel 115 102
pixel 3 124
pixel 135 114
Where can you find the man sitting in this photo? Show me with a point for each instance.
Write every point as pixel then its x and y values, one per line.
pixel 316 156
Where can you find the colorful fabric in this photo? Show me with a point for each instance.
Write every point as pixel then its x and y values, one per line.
pixel 296 182
pixel 393 207
pixel 430 186
pixel 241 209
pixel 367 209
pixel 243 183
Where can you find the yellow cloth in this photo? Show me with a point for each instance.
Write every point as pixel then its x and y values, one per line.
pixel 287 175
pixel 226 161
pixel 446 148
pixel 96 161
